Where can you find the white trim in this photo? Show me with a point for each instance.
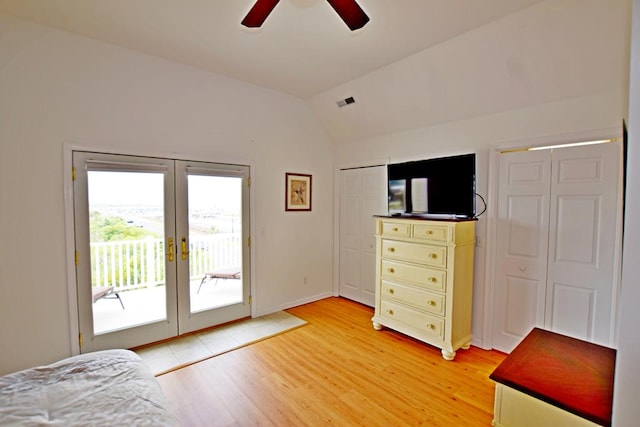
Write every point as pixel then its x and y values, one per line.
pixel 617 291
pixel 295 303
pixel 74 327
pixel 68 149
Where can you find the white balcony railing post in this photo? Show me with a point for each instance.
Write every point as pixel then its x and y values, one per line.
pixel 132 264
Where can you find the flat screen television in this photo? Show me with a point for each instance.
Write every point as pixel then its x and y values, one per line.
pixel 442 187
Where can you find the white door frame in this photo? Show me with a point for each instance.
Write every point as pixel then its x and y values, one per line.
pixel 486 342
pixel 68 149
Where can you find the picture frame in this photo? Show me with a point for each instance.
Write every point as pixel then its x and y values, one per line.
pixel 297 192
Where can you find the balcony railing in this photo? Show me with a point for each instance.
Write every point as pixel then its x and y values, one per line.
pixel 134 264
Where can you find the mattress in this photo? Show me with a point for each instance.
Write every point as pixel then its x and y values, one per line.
pixel 104 388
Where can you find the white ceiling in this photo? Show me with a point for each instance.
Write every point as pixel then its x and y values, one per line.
pixel 302 49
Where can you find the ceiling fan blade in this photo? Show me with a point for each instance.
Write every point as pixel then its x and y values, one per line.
pixel 258 13
pixel 350 12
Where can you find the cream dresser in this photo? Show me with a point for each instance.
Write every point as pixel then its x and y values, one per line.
pixel 424 280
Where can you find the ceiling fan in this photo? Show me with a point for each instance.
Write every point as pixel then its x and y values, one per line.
pixel 350 12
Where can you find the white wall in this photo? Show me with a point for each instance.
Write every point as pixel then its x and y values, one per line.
pixel 549 52
pixel 561 92
pixel 57 88
pixel 626 411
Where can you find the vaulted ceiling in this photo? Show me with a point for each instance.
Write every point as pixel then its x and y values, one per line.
pixel 302 49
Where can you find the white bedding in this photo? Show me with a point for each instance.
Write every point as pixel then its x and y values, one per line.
pixel 105 388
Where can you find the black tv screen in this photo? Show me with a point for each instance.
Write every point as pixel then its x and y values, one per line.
pixel 439 187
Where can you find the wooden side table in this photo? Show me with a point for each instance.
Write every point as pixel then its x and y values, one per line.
pixel 552 379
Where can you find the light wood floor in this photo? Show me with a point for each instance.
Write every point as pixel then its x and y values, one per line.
pixel 336 370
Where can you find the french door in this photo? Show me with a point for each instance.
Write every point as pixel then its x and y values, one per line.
pixel 161 247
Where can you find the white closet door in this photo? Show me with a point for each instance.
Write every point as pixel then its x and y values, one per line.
pixel 558 243
pixel 584 222
pixel 522 236
pixel 363 194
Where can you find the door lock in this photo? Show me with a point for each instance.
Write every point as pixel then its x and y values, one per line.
pixel 170 254
pixel 185 252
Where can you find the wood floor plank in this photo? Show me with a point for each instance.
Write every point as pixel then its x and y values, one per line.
pixel 336 370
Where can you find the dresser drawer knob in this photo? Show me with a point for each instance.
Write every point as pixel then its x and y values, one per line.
pixel 391 249
pixel 390 312
pixel 433 256
pixel 431 326
pixel 395 228
pixel 391 291
pixel 429 232
pixel 390 270
pixel 432 279
pixel 431 302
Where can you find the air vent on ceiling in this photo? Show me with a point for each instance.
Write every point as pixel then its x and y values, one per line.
pixel 346 101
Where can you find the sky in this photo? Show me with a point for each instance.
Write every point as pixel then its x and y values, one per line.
pixel 147 189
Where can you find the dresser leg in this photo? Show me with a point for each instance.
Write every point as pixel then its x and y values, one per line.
pixel 467 346
pixel 377 326
pixel 448 355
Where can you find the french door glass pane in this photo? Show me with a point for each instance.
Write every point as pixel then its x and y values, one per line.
pixel 126 222
pixel 215 235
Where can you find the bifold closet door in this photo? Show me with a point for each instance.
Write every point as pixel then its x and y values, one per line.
pixel 521 247
pixel 558 242
pixel 363 194
pixel 584 246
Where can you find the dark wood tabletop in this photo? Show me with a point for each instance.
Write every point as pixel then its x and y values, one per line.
pixel 571 374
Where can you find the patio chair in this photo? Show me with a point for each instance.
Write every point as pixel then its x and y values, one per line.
pixel 106 292
pixel 222 273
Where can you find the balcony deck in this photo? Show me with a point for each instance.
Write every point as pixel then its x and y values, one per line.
pixel 149 304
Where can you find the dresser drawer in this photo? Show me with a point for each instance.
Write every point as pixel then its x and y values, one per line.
pixel 435 256
pixel 419 298
pixel 394 229
pixel 435 232
pixel 421 276
pixel 424 322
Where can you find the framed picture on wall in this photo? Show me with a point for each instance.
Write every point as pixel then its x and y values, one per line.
pixel 297 192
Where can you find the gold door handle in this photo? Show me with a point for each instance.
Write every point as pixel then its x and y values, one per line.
pixel 185 252
pixel 170 254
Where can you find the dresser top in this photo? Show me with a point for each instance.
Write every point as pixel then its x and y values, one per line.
pixel 426 218
pixel 571 374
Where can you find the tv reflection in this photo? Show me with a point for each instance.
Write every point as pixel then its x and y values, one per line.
pixel 397 196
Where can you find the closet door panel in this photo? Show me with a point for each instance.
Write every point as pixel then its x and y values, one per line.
pixel 363 194
pixel 350 253
pixel 584 223
pixel 525 305
pixel 572 310
pixel 521 261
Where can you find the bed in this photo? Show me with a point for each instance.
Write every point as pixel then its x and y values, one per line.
pixel 104 388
